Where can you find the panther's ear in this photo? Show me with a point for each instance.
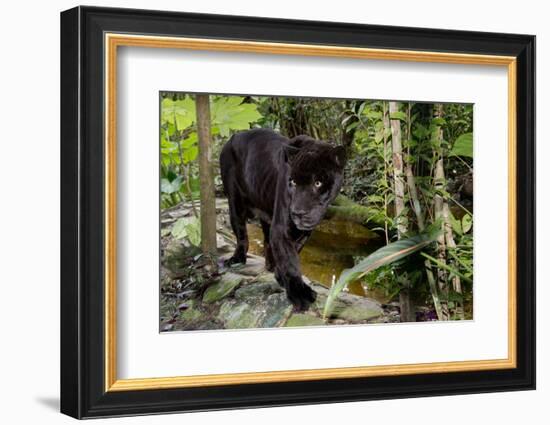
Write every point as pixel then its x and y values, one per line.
pixel 301 141
pixel 289 152
pixel 339 155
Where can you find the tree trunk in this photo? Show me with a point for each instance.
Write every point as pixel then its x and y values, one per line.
pixel 439 184
pixel 348 118
pixel 207 188
pixel 405 302
pixel 386 123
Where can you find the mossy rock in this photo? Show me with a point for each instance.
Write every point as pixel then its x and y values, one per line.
pixel 239 316
pixel 300 319
pixel 190 315
pixel 253 267
pixel 225 286
pixel 257 290
pixel 277 310
pixel 358 313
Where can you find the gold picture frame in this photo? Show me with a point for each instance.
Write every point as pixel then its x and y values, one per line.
pixel 91 39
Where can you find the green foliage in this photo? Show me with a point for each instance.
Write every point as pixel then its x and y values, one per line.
pixel 463 226
pixel 464 146
pixel 431 135
pixel 179 140
pixel 398 115
pixel 179 113
pixel 445 266
pixel 188 228
pixel 230 113
pixel 381 257
pixel 167 186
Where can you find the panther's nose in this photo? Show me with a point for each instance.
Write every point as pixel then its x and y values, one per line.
pixel 299 213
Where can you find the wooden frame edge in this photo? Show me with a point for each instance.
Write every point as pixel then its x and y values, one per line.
pixel 114 40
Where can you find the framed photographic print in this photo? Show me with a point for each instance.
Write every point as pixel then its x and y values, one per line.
pixel 261 212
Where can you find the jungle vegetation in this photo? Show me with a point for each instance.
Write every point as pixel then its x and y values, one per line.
pixel 409 177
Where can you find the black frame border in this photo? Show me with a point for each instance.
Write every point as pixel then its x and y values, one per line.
pixel 82 212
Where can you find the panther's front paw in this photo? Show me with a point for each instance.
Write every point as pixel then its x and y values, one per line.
pixel 235 259
pixel 300 295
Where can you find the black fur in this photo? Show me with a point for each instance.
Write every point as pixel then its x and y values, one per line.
pixel 288 185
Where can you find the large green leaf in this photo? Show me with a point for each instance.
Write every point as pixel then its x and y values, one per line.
pixel 467 223
pixel 464 145
pixel 398 115
pixel 181 112
pixel 167 186
pixel 381 257
pixel 229 113
pixel 190 154
pixel 188 227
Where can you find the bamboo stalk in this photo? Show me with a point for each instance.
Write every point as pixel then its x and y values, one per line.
pixel 405 301
pixel 439 184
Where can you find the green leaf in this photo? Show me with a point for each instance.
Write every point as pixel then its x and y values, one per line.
pixel 180 113
pixel 167 186
pixel 193 229
pixel 373 115
pixel 191 140
pixel 438 121
pixel 189 155
pixel 352 126
pixel 398 115
pixel 466 223
pixel 188 227
pixel 456 224
pixel 381 257
pixel 464 146
pixel 445 266
pixel 229 113
pixel 178 229
pixel 420 131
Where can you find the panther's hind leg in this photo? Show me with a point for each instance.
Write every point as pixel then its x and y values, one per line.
pixel 268 254
pixel 238 213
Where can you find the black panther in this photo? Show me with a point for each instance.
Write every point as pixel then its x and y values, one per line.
pixel 287 184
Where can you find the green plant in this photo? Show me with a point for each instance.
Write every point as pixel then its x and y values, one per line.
pixel 188 228
pixel 386 255
pixel 179 140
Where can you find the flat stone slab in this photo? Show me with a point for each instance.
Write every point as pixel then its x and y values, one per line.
pixel 239 315
pixel 257 290
pixel 299 319
pixel 253 267
pixel 277 310
pixel 359 313
pixel 227 283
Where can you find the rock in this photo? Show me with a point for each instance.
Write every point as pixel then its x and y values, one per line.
pixel 319 305
pixel 190 315
pixel 300 319
pixel 358 313
pixel 266 277
pixel 227 283
pixel 278 308
pixel 257 290
pixel 167 327
pixel 253 267
pixel 239 315
pixel 348 307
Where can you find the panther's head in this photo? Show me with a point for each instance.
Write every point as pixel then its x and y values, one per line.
pixel 315 178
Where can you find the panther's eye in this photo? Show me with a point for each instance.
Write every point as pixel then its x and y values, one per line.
pixel 318 184
pixel 292 182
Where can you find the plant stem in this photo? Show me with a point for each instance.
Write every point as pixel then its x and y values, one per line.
pixel 446 267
